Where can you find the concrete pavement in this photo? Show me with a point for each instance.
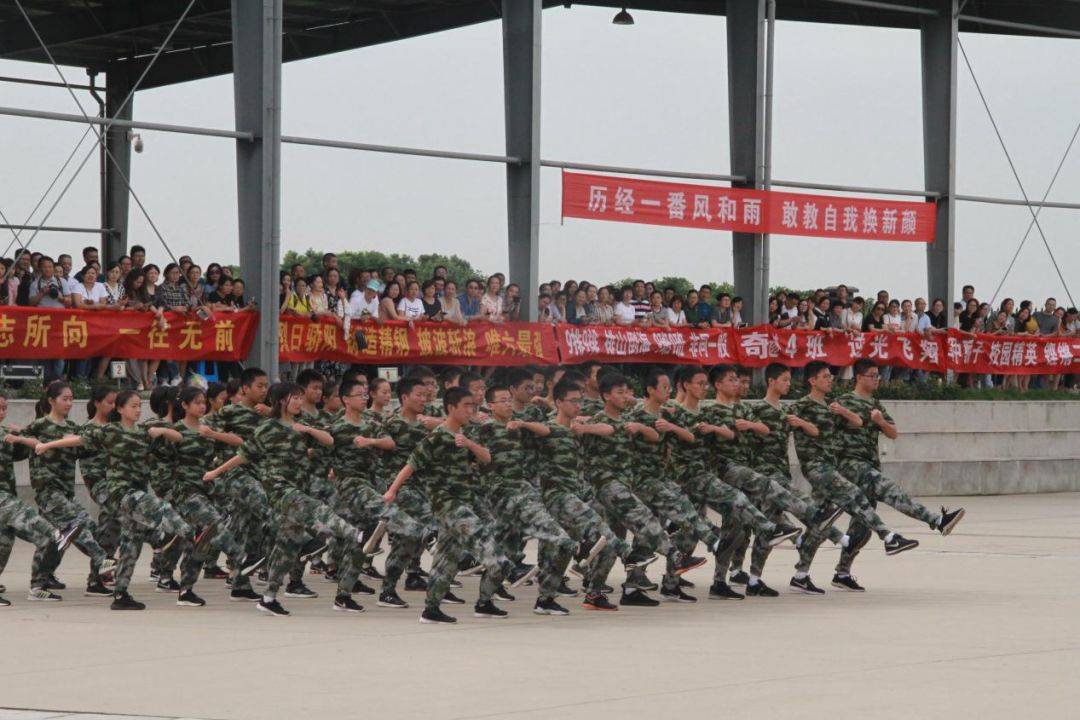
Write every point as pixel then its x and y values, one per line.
pixel 980 624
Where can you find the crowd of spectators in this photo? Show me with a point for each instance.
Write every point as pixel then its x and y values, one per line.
pixel 387 294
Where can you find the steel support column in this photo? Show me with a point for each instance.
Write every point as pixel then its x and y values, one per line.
pixel 521 93
pixel 746 76
pixel 256 33
pixel 939 62
pixel 115 203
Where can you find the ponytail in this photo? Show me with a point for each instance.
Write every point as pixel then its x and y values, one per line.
pixel 52 391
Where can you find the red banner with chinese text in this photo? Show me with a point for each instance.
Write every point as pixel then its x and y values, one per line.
pixel 28 333
pixel 710 207
pixel 425 342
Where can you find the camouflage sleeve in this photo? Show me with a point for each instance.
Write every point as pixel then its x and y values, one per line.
pixel 94 437
pixel 422 456
pixel 218 422
pixel 880 406
pixel 252 449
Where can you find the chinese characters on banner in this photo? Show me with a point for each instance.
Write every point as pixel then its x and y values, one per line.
pixel 427 342
pixel 710 207
pixel 39 334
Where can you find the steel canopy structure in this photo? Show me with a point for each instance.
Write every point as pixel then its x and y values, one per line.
pixel 138 45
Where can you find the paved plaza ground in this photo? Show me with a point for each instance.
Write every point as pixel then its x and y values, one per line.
pixel 982 624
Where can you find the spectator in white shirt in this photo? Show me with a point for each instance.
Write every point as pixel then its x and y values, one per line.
pixel 90 294
pixel 411 307
pixel 624 309
pixel 675 315
pixel 892 321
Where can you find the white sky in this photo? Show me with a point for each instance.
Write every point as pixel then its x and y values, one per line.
pixel 847 111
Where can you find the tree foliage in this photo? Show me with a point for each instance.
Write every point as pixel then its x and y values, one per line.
pixel 458 268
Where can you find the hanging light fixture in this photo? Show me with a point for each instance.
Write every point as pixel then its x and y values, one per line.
pixel 623 18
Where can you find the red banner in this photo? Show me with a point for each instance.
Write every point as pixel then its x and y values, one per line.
pixel 502 344
pixel 708 207
pixel 28 333
pixel 759 346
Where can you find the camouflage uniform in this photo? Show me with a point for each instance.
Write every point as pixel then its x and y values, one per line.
pixel 517 507
pixel 411 498
pixel 817 458
pixel 275 448
pixel 320 487
pixel 192 498
pixel 18 519
pixel 691 464
pixel 654 486
pixel 561 483
pixel 446 471
pixel 52 476
pixel 142 512
pixel 249 507
pixel 161 482
pixel 859 460
pixel 359 502
pixel 93 466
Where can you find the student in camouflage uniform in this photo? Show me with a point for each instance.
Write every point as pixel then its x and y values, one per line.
pixel 817 445
pixel 560 465
pixel 358 442
pixel 861 463
pixel 53 480
pixel 18 519
pixel 141 511
pixel 443 461
pixel 692 462
pixel 654 486
pixel 249 507
pixel 609 466
pixel 165 559
pixel 515 502
pixel 320 486
pixel 592 402
pixel 275 448
pixel 93 466
pixel 190 448
pixel 770 457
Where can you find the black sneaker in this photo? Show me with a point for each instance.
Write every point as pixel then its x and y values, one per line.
pixel 805 585
pixel 251 564
pixel 329 575
pixel 345 603
pixel 390 599
pixel 760 589
pixel 263 576
pixel 419 571
pixel 523 574
pixel 215 573
pixel 948 520
pixel 636 598
pixel 415 583
pixel 598 601
pixel 67 536
pixel 190 599
pixel 684 583
pixel 856 542
pixel 300 590
pixel 607 590
pixel 722 591
pixel 781 533
pixel 153 574
pixel 549 607
pixel 677 595
pixel 686 563
pixel 124 601
pixel 739 577
pixel 4 602
pixel 565 590
pixel 313 549
pixel 96 589
pixel 451 599
pixel 244 595
pixel 436 617
pixel 369 571
pixel 638 559
pixel 317 567
pixel 489 610
pixel 273 607
pixel 825 516
pixel 455 583
pixel 847 582
pixel 53 583
pixel 646 584
pixel 167 585
pixel 504 594
pixel 361 589
pixel 899 544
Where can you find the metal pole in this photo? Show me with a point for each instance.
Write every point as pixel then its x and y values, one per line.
pixel 766 165
pixel 1043 29
pixel 54 228
pixel 45 83
pixel 104 184
pixel 622 170
pixel 887 6
pixel 1023 203
pixel 855 189
pixel 398 150
pixel 116 122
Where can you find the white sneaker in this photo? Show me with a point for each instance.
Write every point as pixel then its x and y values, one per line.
pixel 42 595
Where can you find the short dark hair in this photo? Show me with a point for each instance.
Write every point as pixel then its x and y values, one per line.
pixel 652 378
pixel 347 386
pixel 515 376
pixel 564 388
pixel 454 396
pixel 489 395
pixel 469 377
pixel 687 373
pixel 407 385
pixel 138 248
pixel 775 370
pixel 610 381
pixel 719 372
pixel 862 365
pixel 451 373
pixel 814 367
pixel 250 375
pixel 308 376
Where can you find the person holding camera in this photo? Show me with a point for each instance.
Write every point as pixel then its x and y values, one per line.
pixel 48 291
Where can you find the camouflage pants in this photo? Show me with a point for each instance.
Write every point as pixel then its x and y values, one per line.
pixel 199 512
pixel 414 502
pixel 249 510
pixel 141 515
pixel 833 488
pixel 364 507
pixel 462 530
pixel 298 516
pixel 108 523
pixel 586 526
pixel 322 489
pixel 18 519
pixel 879 488
pixel 522 514
pixel 668 501
pixel 63 511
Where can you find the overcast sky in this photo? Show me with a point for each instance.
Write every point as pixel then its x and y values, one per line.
pixel 654 95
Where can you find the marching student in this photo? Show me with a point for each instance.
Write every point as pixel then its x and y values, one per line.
pixel 93 466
